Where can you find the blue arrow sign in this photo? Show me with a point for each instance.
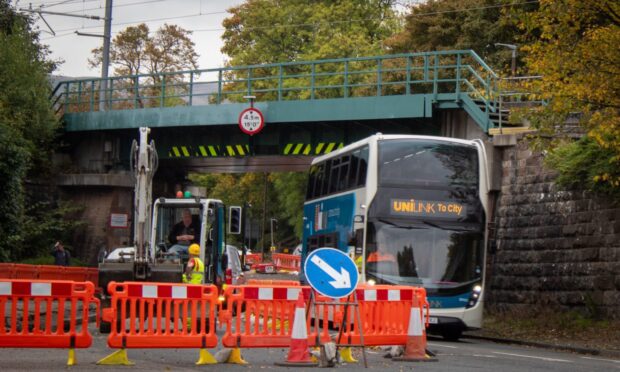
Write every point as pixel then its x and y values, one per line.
pixel 331 272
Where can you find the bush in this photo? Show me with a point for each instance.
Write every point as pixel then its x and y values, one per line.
pixel 585 164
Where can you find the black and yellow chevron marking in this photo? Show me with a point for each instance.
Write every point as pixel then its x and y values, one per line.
pixel 208 151
pixel 308 149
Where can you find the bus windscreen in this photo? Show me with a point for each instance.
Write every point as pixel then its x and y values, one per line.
pixel 404 162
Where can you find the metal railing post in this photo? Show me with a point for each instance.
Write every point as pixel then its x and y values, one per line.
pixel 92 95
pixel 66 97
pixel 346 79
pixel 312 72
pixel 163 91
pixel 425 78
pixel 191 88
pixel 136 91
pixel 109 94
pixel 458 76
pixel 219 87
pixel 436 77
pixel 249 81
pixel 379 77
pixel 79 103
pixel 408 79
pixel 280 83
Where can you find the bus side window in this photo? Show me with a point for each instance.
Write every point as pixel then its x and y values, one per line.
pixel 326 178
pixel 363 166
pixel 320 180
pixel 353 167
pixel 334 179
pixel 343 178
pixel 311 181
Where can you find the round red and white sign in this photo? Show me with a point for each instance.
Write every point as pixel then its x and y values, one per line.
pixel 251 121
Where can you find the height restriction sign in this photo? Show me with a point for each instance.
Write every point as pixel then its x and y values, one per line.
pixel 251 121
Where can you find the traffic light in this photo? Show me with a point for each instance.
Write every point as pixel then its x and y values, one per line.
pixel 234 220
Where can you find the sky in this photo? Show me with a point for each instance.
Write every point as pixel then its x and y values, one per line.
pixel 203 17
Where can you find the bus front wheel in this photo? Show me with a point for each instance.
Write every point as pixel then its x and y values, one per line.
pixel 451 334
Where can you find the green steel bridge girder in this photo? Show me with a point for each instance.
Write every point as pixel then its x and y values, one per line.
pixel 278 113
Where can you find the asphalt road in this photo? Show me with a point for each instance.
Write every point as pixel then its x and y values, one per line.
pixel 465 355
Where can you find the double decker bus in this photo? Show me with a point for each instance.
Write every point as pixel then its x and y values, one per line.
pixel 410 210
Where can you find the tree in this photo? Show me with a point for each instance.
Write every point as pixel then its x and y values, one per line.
pixel 460 24
pixel 269 31
pixel 27 123
pixel 573 45
pixel 136 51
pixel 285 196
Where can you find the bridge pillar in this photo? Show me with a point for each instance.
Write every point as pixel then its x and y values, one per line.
pixel 458 124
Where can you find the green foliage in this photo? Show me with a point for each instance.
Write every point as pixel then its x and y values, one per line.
pixel 44 224
pixel 290 190
pixel 48 259
pixel 460 24
pixel 27 123
pixel 269 31
pixel 284 197
pixel 584 163
pixel 573 45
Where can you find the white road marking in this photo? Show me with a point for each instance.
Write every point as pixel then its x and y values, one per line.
pixel 601 359
pixel 535 357
pixel 440 345
pixel 484 356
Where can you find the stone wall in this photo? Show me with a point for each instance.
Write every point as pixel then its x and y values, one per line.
pixel 555 248
pixel 97 234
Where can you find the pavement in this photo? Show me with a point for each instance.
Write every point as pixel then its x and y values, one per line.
pixel 545 345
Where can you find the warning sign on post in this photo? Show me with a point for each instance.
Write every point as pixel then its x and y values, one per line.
pixel 251 121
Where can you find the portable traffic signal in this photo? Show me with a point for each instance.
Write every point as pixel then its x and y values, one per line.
pixel 234 220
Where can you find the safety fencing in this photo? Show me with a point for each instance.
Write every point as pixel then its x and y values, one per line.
pixel 161 315
pixel 49 272
pixel 268 317
pixel 385 313
pixel 46 314
pixel 286 262
pixel 253 259
pixel 269 310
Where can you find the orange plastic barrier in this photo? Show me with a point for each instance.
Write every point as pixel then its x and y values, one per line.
pixel 49 272
pixel 289 283
pixel 268 317
pixel 161 315
pixel 36 312
pixel 254 258
pixel 289 262
pixel 7 270
pixel 23 271
pixel 385 312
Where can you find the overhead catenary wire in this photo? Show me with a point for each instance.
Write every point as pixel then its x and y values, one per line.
pixel 314 24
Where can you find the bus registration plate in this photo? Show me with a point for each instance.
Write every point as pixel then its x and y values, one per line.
pixel 433 320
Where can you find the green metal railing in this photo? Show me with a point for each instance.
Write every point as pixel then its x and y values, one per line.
pixel 455 73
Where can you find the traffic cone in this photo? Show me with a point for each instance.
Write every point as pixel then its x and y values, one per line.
pixel 415 349
pixel 299 353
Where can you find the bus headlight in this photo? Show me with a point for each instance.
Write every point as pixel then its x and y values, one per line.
pixel 474 296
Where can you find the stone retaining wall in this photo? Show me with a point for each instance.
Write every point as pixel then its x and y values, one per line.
pixel 554 247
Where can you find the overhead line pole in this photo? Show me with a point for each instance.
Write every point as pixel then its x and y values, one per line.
pixel 107 36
